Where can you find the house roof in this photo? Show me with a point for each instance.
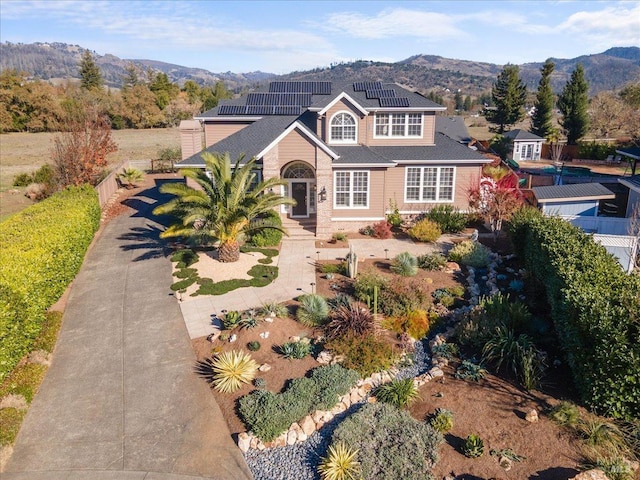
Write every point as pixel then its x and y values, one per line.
pixel 249 141
pixel 360 155
pixel 632 182
pixel 445 149
pixel 518 134
pixel 453 127
pixel 633 152
pixel 572 193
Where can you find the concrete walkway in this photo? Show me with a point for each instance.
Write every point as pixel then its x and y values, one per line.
pixel 296 272
pixel 121 399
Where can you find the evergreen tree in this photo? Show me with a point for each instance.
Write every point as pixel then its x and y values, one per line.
pixel 541 121
pixel 132 76
pixel 468 104
pixel 509 94
pixel 573 103
pixel 90 76
pixel 459 101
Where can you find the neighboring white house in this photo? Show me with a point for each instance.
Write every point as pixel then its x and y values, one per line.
pixel 526 145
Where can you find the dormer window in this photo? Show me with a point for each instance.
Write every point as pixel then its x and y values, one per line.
pixel 343 128
pixel 398 125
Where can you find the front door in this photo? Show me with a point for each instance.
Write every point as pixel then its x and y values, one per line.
pixel 299 194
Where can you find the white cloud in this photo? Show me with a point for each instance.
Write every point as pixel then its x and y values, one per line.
pixel 397 22
pixel 498 19
pixel 612 26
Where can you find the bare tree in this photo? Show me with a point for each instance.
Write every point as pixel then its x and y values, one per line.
pixel 80 152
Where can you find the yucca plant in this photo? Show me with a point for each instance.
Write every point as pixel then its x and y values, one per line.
pixel 340 300
pixel 442 420
pixel 232 369
pixel 405 264
pixel 340 464
pixel 399 393
pixel 473 446
pixel 313 310
pixel 355 319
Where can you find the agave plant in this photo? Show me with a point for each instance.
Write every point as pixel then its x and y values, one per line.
pixel 473 446
pixel 443 420
pixel 405 264
pixel 352 319
pixel 313 310
pixel 399 393
pixel 296 350
pixel 232 369
pixel 340 464
pixel 278 309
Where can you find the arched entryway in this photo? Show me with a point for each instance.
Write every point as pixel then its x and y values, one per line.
pixel 301 186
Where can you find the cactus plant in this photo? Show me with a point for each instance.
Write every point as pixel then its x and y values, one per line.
pixel 352 263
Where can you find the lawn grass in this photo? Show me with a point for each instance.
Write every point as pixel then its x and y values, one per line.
pixel 10 421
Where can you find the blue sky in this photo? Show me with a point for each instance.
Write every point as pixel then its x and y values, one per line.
pixel 282 36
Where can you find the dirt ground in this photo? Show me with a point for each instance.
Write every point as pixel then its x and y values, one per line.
pixel 495 409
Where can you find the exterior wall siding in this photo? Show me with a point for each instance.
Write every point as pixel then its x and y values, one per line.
pixel 216 131
pixel 296 146
pixel 428 133
pixel 465 177
pixel 340 106
pixel 377 197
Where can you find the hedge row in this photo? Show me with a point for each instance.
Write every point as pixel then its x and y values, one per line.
pixel 41 250
pixel 595 308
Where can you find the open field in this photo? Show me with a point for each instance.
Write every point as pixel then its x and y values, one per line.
pixel 26 152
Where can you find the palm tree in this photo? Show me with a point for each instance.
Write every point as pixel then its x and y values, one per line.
pixel 227 205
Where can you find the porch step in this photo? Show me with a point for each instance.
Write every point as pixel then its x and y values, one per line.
pixel 300 228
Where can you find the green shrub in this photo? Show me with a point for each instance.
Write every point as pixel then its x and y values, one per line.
pixel 432 261
pixel 313 310
pixel 22 180
pixel 41 251
pixel 565 414
pixel 405 264
pixel 594 307
pixel 231 319
pixel 472 254
pixel 332 268
pixel 468 370
pixel 414 323
pixel 445 350
pixel 442 421
pixel 49 333
pixel 24 380
pixel 392 445
pixel 473 446
pixel 339 237
pixel 269 414
pixel 269 237
pixel 400 392
pixel 260 382
pixel 365 284
pixel 184 258
pixel 401 296
pixel 253 346
pixel 425 230
pixel 450 219
pixel 367 354
pixel 295 350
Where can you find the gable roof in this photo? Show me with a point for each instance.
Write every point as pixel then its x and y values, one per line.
pixel 453 127
pixel 519 134
pixel 444 150
pixel 572 193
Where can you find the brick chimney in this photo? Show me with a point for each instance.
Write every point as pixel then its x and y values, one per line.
pixel 190 137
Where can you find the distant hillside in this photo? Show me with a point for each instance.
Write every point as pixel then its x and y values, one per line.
pixel 608 70
pixel 60 61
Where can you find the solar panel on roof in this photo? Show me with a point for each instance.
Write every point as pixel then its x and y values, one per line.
pixel 259 109
pixel 394 102
pixel 287 110
pixel 380 93
pixel 363 86
pixel 314 88
pixel 231 109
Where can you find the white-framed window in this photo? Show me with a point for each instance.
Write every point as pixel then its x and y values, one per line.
pixel 429 184
pixel 351 189
pixel 343 128
pixel 398 125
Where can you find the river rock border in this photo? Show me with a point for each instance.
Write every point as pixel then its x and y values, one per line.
pixel 361 393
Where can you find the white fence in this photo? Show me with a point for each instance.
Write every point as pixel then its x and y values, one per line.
pixel 602 225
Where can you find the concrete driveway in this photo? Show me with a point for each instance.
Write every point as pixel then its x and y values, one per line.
pixel 121 399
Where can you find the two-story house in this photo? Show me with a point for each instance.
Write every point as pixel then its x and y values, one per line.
pixel 347 152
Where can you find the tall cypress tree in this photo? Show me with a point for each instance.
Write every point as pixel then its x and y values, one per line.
pixel 509 94
pixel 90 76
pixel 573 103
pixel 541 120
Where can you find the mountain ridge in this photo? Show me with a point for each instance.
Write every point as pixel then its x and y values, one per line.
pixel 609 70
